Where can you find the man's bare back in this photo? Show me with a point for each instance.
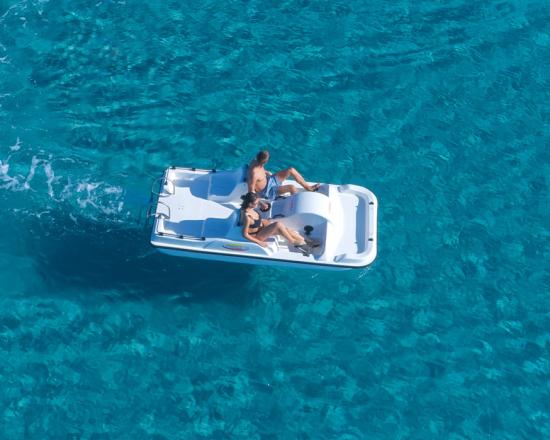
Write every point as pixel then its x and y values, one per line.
pixel 257 179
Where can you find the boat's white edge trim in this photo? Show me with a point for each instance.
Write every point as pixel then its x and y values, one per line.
pixel 369 255
pixel 259 257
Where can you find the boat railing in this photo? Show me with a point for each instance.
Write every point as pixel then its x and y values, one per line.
pixel 206 170
pixel 162 182
pixel 162 230
pixel 156 213
pixel 180 236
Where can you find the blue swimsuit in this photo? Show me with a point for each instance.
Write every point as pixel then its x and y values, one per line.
pixel 270 192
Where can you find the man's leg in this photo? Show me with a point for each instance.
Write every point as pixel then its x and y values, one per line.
pixel 283 189
pixel 285 174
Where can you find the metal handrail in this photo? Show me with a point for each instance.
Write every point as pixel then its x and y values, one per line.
pixel 158 214
pixel 153 194
pixel 208 170
pixel 167 216
pixel 181 236
pixel 165 180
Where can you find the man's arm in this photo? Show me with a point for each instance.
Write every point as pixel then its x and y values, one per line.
pixel 251 181
pixel 253 178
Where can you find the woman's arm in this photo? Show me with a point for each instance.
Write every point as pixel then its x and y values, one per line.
pixel 247 235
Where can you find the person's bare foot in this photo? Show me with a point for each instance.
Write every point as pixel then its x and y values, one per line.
pixel 314 188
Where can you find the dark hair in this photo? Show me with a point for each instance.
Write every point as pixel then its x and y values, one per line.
pixel 262 156
pixel 248 199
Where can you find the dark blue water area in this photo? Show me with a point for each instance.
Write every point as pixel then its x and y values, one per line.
pixel 442 109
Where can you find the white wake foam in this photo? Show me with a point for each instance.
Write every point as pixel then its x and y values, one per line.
pixel 16 146
pixel 94 198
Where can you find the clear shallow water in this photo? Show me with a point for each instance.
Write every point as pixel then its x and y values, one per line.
pixel 441 109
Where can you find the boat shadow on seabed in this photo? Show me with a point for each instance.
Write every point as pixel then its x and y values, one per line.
pixel 93 256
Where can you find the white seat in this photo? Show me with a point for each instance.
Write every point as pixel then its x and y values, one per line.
pixel 211 227
pixel 220 186
pixel 227 186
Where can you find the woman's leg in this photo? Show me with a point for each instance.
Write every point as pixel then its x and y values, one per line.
pixel 278 228
pixel 291 235
pixel 267 231
pixel 296 235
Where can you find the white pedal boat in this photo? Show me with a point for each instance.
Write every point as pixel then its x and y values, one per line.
pixel 196 215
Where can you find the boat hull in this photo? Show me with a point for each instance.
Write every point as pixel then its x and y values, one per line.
pixel 238 259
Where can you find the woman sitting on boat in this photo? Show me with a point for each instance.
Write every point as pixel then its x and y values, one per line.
pixel 257 229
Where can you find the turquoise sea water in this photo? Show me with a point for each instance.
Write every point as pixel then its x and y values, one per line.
pixel 442 108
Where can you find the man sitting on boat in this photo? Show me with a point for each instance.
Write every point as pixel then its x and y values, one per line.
pixel 269 186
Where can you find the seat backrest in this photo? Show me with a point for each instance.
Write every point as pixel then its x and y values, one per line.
pixel 227 186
